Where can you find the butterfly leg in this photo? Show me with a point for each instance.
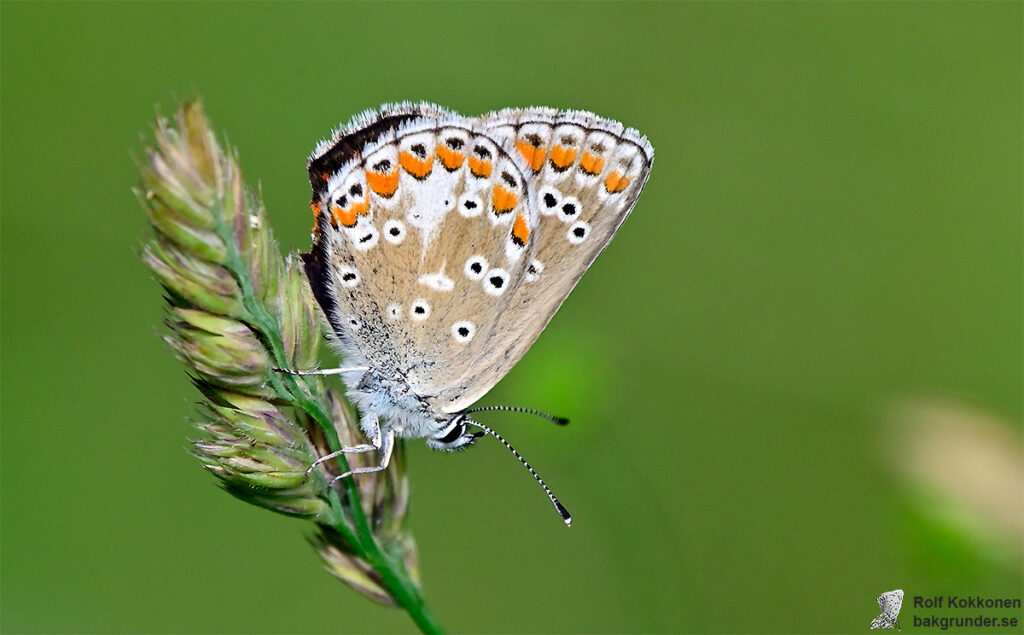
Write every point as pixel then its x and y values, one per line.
pixel 375 444
pixel 387 445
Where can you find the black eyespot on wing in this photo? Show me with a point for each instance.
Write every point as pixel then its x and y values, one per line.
pixel 476 267
pixel 533 139
pixel 569 209
pixel 419 150
pixel 579 232
pixel 454 143
pixel 463 331
pixel 395 231
pixel 356 190
pixel 382 166
pixel 348 277
pixel 496 281
pixel 550 200
pixel 482 152
pixel 508 178
pixel 365 239
pixel 341 201
pixel 419 309
pixel 469 204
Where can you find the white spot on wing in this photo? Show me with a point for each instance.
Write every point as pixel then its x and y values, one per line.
pixel 463 331
pixel 419 310
pixel 393 311
pixel 496 281
pixel 364 237
pixel 394 231
pixel 437 281
pixel 569 209
pixel 549 199
pixel 476 267
pixel 578 232
pixel 348 276
pixel 470 205
pixel 533 270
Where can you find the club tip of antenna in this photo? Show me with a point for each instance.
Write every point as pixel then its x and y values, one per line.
pixel 560 420
pixel 565 513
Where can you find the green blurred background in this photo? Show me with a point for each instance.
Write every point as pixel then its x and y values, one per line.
pixel 823 274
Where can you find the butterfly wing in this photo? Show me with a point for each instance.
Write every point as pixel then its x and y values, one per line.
pixel 587 173
pixel 421 238
pixel 891 602
pixel 880 622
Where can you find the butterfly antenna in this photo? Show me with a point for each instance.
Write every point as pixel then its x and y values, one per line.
pixel 530 411
pixel 554 501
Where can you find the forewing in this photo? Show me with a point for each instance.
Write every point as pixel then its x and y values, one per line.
pixel 587 173
pixel 420 241
pixel 890 603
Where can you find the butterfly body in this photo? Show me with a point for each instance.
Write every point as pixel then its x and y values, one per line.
pixel 444 244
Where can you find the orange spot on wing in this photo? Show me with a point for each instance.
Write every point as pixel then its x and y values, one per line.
pixel 562 157
pixel 616 183
pixel 591 164
pixel 503 200
pixel 346 216
pixel 534 156
pixel 450 159
pixel 361 208
pixel 415 166
pixel 479 167
pixel 316 215
pixel 520 232
pixel 383 184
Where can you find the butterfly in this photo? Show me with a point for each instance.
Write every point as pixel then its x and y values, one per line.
pixel 444 244
pixel 890 602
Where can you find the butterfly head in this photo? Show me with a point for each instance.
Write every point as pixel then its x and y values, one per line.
pixel 455 435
